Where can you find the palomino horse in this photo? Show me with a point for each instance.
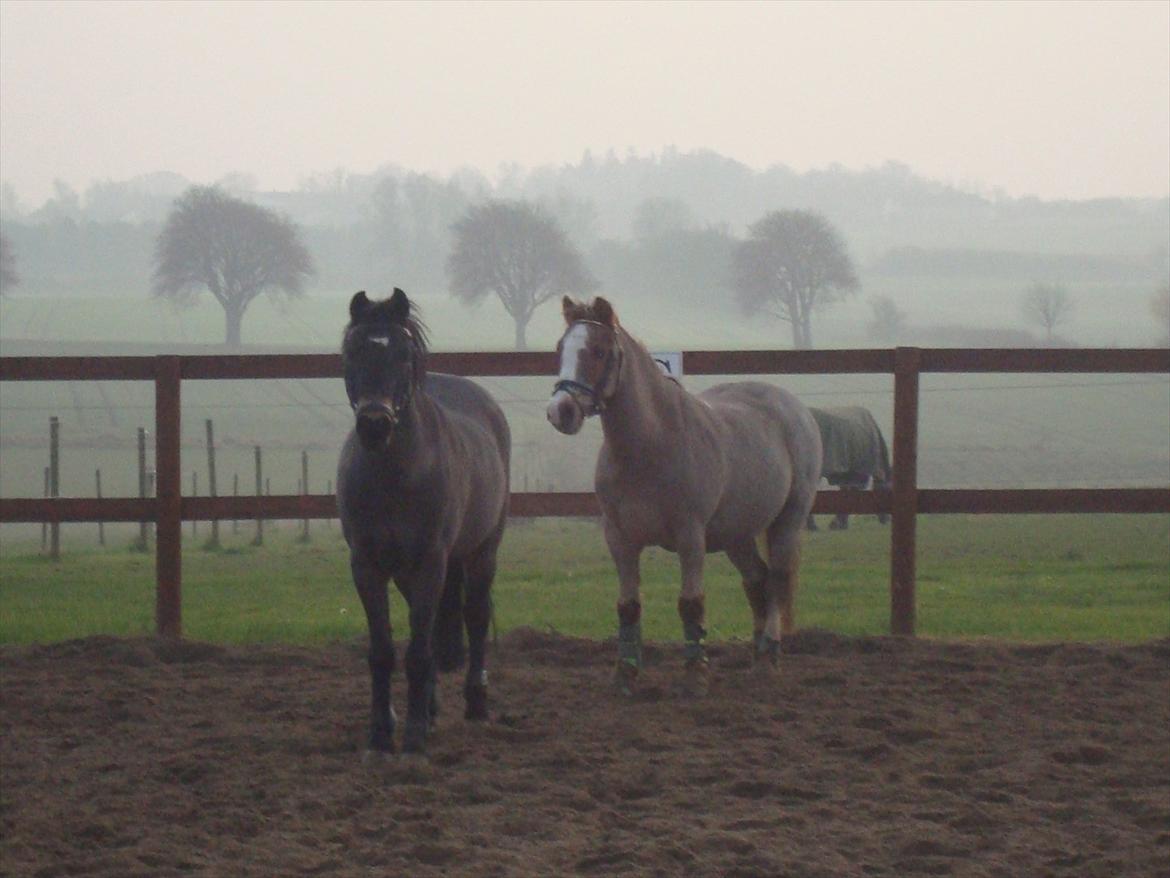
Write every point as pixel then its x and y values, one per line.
pixel 422 489
pixel 692 474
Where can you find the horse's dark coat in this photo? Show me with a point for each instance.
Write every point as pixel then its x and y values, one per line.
pixel 422 491
pixel 854 452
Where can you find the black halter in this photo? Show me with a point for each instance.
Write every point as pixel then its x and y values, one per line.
pixel 613 364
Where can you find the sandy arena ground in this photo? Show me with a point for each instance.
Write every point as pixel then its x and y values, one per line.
pixel 864 757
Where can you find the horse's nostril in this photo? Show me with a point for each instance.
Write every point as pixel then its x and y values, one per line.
pixel 374 428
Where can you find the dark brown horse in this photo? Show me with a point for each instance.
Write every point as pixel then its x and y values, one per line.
pixel 422 489
pixel 691 473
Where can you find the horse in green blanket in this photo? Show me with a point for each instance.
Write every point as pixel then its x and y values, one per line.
pixel 855 454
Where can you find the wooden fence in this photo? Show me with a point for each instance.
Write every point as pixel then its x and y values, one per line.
pixel 169 508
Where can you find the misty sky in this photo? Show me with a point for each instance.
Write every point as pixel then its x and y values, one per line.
pixel 1055 99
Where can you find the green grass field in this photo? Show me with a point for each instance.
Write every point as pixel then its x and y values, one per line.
pixel 1030 578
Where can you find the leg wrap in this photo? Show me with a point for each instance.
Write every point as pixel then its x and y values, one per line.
pixel 692 612
pixel 630 633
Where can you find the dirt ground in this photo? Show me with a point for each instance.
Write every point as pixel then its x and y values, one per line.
pixel 864 757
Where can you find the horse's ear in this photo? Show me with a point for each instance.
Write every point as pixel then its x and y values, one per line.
pixel 398 308
pixel 359 305
pixel 570 309
pixel 604 312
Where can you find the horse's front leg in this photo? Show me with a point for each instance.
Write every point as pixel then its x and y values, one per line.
pixel 629 608
pixel 692 551
pixel 371 587
pixel 424 586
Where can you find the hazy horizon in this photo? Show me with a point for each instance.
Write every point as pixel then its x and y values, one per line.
pixel 1057 100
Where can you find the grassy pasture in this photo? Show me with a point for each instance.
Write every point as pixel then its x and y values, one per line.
pixel 1032 578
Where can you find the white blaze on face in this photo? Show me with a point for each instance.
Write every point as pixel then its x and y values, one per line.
pixel 574 342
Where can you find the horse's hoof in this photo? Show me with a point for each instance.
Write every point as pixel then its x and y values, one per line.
pixel 414 739
pixel 476 708
pixel 766 656
pixel 374 758
pixel 696 682
pixel 625 679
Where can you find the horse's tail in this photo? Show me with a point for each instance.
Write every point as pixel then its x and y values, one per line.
pixel 449 650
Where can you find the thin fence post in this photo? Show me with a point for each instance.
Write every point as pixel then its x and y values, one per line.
pixel 142 487
pixel 194 493
pixel 904 526
pixel 329 491
pixel 213 543
pixel 169 506
pixel 259 538
pixel 305 492
pixel 45 524
pixel 55 484
pixel 101 524
pixel 235 493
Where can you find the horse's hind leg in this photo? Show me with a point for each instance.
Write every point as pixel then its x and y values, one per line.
pixel 477 614
pixel 746 558
pixel 783 563
pixel 371 588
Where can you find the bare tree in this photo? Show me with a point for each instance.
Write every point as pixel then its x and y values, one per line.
pixel 234 249
pixel 888 322
pixel 517 251
pixel 8 276
pixel 793 263
pixel 1160 308
pixel 1047 305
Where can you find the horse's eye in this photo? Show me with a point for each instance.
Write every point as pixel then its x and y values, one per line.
pixel 597 353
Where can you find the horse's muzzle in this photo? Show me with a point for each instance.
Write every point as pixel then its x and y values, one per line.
pixel 375 425
pixel 565 413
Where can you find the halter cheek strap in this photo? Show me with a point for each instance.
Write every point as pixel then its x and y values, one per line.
pixel 595 392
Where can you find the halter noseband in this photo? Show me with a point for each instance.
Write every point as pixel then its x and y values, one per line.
pixel 613 363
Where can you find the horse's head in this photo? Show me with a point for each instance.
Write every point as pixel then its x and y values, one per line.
pixel 384 355
pixel 591 359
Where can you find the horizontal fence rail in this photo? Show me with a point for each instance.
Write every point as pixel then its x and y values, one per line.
pixel 904 502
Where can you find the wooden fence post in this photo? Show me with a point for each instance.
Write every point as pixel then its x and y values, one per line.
pixel 45 524
pixel 194 493
pixel 142 487
pixel 55 484
pixel 169 506
pixel 101 524
pixel 903 529
pixel 304 492
pixel 235 493
pixel 258 540
pixel 212 543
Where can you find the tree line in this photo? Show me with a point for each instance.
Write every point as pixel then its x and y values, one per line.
pixel 674 226
pixel 792 264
